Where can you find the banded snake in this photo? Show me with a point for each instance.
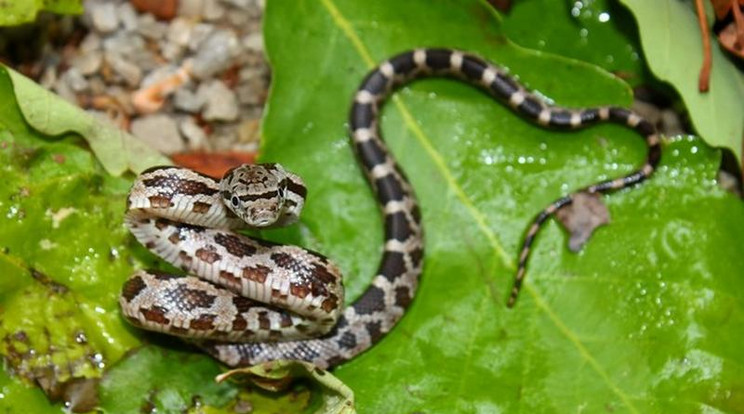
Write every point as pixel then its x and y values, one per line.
pixel 178 214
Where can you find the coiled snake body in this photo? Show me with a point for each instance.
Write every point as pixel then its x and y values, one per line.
pixel 296 295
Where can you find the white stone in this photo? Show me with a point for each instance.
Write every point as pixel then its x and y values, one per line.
pixel 104 16
pixel 151 28
pixel 88 63
pixel 213 10
pixel 160 131
pixel 91 42
pixel 130 72
pixel 179 31
pixel 254 42
pixel 221 103
pixel 194 135
pixel 186 100
pixel 198 34
pixel 75 79
pixel 215 54
pixel 127 16
pixel 190 8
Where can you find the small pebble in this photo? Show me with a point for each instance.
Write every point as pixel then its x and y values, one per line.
pixel 213 10
pixel 171 51
pixel 63 90
pixel 97 87
pixel 149 27
pixel 130 72
pixel 49 77
pixel 215 54
pixel 221 103
pixel 160 131
pixel 179 31
pixel 92 42
pixel 75 80
pixel 190 8
pixel 198 34
pixel 241 4
pixel 88 63
pixel 186 100
pixel 194 135
pixel 124 44
pixel 104 16
pixel 127 16
pixel 254 42
pixel 158 75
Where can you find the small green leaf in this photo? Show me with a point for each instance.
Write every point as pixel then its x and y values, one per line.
pixel 673 47
pixel 336 397
pixel 15 12
pixel 117 151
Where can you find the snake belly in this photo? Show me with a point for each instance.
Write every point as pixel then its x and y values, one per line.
pixel 365 321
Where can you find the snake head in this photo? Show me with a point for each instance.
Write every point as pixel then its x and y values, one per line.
pixel 263 195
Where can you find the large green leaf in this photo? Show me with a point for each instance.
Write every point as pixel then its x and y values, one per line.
pixel 672 45
pixel 645 319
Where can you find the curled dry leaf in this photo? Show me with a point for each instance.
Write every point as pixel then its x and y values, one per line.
pixel 580 218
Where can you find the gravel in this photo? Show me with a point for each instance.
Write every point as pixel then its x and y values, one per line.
pixel 194 81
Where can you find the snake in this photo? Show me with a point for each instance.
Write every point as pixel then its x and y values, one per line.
pixel 249 300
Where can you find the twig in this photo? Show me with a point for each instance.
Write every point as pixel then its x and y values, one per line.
pixel 704 79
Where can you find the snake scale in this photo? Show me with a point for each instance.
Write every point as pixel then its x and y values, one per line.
pixel 296 296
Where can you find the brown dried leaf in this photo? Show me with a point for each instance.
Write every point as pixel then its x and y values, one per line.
pixel 586 213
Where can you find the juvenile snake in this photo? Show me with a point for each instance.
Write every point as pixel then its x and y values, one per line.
pixel 296 294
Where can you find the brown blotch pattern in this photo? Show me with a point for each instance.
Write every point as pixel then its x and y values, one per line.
pixel 230 278
pixel 299 290
pixel 257 273
pixel 242 304
pixel 159 201
pixel 200 207
pixel 207 254
pixel 185 258
pixel 286 321
pixel 175 238
pixel 234 245
pixel 132 288
pixel 239 323
pixel 263 321
pixel 329 304
pixel 155 314
pixel 204 322
pixel 162 223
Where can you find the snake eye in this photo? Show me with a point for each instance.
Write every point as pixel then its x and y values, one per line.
pixel 234 200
